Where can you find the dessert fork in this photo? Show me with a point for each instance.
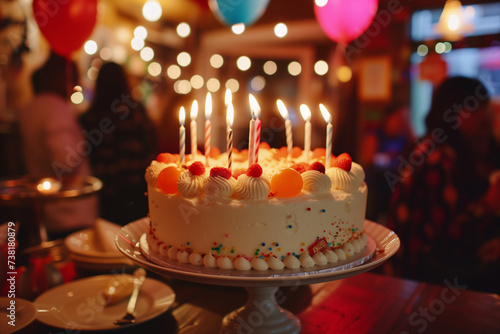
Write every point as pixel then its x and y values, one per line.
pixel 129 317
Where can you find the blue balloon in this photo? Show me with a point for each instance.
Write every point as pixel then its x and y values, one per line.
pixel 231 12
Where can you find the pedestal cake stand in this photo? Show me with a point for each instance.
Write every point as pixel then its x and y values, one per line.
pixel 261 313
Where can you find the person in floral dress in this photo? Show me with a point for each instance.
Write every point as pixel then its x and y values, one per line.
pixel 445 204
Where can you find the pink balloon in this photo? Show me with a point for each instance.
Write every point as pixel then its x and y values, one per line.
pixel 345 20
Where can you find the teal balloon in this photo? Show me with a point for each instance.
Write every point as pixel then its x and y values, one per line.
pixel 231 12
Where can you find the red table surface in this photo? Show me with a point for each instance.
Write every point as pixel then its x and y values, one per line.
pixel 365 303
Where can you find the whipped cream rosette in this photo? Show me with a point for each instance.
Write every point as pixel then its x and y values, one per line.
pixel 253 185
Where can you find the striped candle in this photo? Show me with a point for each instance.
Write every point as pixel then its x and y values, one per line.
pixel 329 134
pixel 229 141
pixel 208 127
pixel 194 129
pixel 306 115
pixel 255 108
pixel 182 136
pixel 288 127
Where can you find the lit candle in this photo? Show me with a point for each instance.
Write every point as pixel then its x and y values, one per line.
pixel 229 121
pixel 194 129
pixel 306 115
pixel 288 126
pixel 208 126
pixel 182 135
pixel 329 134
pixel 255 109
pixel 48 186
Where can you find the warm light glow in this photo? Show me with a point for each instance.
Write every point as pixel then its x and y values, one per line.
pixel 194 111
pixel 173 72
pixel 452 24
pixel 305 112
pixel 258 83
pixel 182 87
pixel 77 97
pixel 233 85
pixel 230 115
pixel 325 113
pixel 320 3
pixel 197 81
pixel 154 69
pixel 254 106
pixel 90 47
pixel 123 34
pixel 440 48
pixel 238 28
pixel 280 30
pixel 119 54
pixel 422 50
pixel 183 29
pixel 182 116
pixel 447 47
pixel 282 109
pixel 294 68
pixel 137 43
pixel 344 73
pixel 147 53
pixel 321 67
pixel 184 59
pixel 105 53
pixel 243 63
pixel 152 10
pixel 213 85
pixel 216 61
pixel 228 97
pixel 48 186
pixel 92 73
pixel 140 32
pixel 208 106
pixel 270 67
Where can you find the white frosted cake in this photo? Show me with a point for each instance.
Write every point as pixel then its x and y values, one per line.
pixel 272 215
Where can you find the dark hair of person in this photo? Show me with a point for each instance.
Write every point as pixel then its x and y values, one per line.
pixel 111 85
pixel 449 98
pixel 58 75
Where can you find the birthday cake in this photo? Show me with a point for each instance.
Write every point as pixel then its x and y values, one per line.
pixel 275 214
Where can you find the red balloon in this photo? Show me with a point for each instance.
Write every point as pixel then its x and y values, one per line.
pixel 345 20
pixel 65 24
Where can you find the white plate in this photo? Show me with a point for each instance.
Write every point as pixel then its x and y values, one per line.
pixel 84 243
pixel 25 314
pixel 382 244
pixel 79 305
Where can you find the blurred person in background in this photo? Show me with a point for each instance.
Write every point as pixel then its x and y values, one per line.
pixel 379 155
pixel 123 141
pixel 53 143
pixel 446 201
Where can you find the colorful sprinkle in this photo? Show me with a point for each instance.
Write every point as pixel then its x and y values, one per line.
pixel 290 226
pixel 279 249
pixel 227 235
pixel 302 243
pixel 263 244
pixel 232 250
pixel 270 248
pixel 308 209
pixel 323 210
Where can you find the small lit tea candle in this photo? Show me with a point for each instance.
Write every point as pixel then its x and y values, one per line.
pixel 329 134
pixel 208 127
pixel 182 135
pixel 194 129
pixel 288 127
pixel 48 186
pixel 229 141
pixel 306 115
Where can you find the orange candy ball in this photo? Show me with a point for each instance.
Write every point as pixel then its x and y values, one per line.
pixel 167 179
pixel 286 183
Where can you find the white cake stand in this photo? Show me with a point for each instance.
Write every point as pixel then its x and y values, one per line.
pixel 261 314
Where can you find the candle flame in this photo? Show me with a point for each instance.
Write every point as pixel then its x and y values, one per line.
pixel 325 113
pixel 230 115
pixel 305 112
pixel 182 116
pixel 254 106
pixel 282 109
pixel 194 110
pixel 228 98
pixel 208 106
